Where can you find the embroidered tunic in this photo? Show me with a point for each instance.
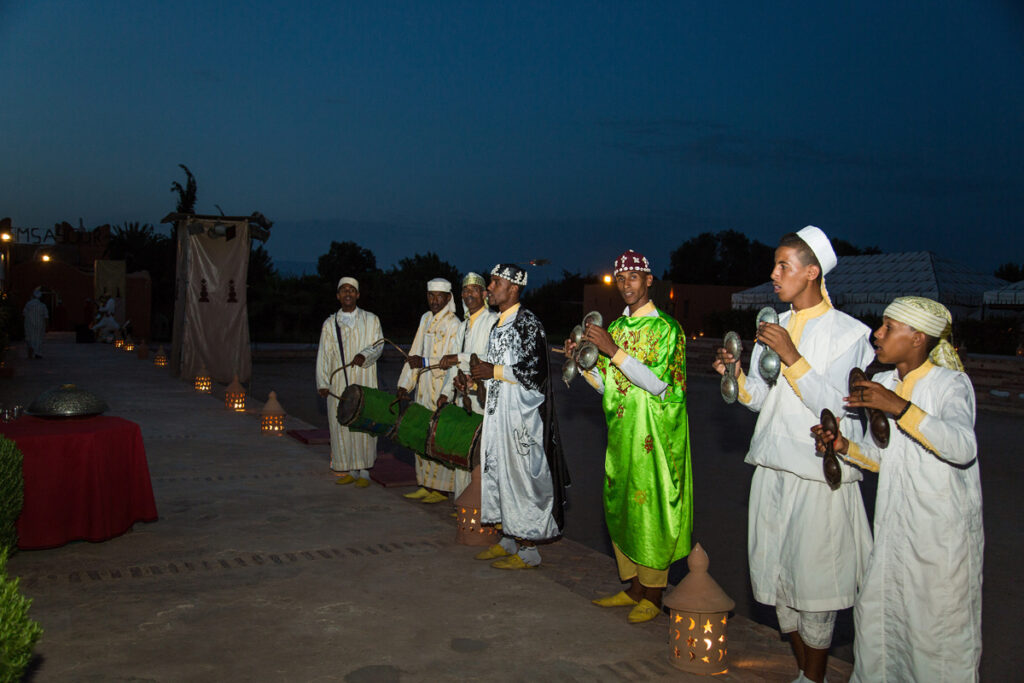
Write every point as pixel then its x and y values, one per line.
pixel 435 337
pixel 523 473
pixel 359 330
pixel 918 612
pixel 648 489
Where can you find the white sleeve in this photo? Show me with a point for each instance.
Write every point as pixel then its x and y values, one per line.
pixel 641 375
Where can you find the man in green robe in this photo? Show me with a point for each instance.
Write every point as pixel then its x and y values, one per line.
pixel 648 491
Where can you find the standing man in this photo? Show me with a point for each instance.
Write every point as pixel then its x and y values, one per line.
pixel 347 355
pixel 807 544
pixel 435 338
pixel 524 474
pixel 474 331
pixel 648 491
pixel 35 315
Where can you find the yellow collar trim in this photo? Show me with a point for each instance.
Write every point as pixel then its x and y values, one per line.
pixel 646 309
pixel 797 321
pixel 506 313
pixel 906 387
pixel 474 316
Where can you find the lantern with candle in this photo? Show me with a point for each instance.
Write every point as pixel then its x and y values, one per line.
pixel 272 416
pixel 698 617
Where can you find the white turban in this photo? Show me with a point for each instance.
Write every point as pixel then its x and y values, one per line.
pixel 932 318
pixel 818 241
pixel 439 284
pixel 348 281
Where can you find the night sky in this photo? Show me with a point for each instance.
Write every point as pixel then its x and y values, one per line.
pixel 564 130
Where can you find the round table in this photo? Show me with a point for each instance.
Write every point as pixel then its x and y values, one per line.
pixel 85 479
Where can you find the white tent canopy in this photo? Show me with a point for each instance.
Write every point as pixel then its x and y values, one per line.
pixel 865 285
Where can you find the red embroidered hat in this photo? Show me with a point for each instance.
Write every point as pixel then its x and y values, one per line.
pixel 631 260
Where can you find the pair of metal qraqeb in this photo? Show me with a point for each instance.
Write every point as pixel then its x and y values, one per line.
pixel 585 356
pixel 877 422
pixel 768 365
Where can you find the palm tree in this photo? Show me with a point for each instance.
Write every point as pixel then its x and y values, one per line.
pixel 187 194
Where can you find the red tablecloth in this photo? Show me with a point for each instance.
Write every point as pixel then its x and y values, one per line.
pixel 85 479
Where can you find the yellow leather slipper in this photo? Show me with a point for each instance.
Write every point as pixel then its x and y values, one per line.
pixel 645 610
pixel 417 494
pixel 347 479
pixel 620 599
pixel 495 551
pixel 363 483
pixel 512 562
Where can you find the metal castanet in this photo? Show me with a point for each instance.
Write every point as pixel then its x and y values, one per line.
pixel 584 357
pixel 770 364
pixel 877 422
pixel 830 461
pixel 730 387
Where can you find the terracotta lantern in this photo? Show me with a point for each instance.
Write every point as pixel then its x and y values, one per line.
pixel 203 383
pixel 234 396
pixel 468 530
pixel 129 345
pixel 698 617
pixel 272 416
pixel 142 350
pixel 119 343
pixel 160 359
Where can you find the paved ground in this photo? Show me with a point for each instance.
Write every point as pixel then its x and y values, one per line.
pixel 720 435
pixel 260 568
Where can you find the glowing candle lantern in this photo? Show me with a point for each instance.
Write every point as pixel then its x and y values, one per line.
pixel 698 617
pixel 119 343
pixel 234 396
pixel 129 345
pixel 272 416
pixel 203 383
pixel 468 529
pixel 160 359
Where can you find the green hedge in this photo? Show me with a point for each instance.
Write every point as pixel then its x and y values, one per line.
pixel 11 492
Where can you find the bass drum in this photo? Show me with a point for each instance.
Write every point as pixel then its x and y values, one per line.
pixel 411 430
pixel 454 437
pixel 368 410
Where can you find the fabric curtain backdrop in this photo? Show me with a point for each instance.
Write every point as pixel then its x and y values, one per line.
pixel 216 324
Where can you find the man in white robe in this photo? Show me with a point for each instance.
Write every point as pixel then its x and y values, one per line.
pixel 106 326
pixel 523 475
pixel 807 545
pixel 347 355
pixel 35 315
pixel 422 374
pixel 918 612
pixel 474 331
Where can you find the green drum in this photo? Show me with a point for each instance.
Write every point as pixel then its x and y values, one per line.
pixel 412 428
pixel 454 437
pixel 364 409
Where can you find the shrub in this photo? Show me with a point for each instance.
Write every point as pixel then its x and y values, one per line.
pixel 18 633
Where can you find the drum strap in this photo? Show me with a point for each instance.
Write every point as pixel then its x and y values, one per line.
pixel 341 347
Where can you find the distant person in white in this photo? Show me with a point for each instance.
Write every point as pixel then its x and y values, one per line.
pixel 35 315
pixel 106 327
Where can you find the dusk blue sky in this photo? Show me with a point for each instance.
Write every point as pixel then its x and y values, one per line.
pixel 503 132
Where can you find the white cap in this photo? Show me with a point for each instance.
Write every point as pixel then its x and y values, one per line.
pixel 817 240
pixel 348 281
pixel 439 284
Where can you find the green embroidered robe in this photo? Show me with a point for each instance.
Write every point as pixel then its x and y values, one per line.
pixel 648 490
